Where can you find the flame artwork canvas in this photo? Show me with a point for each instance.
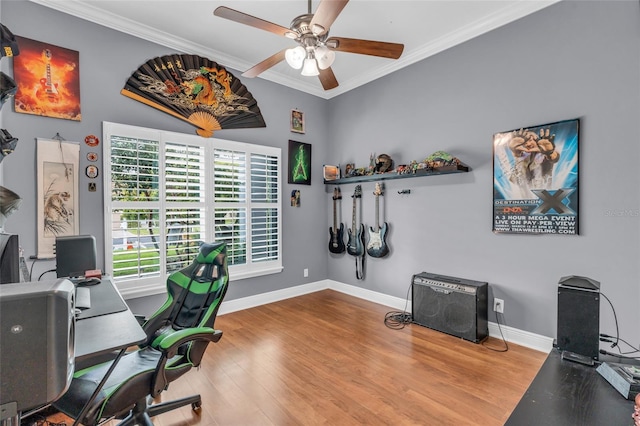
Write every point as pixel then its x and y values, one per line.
pixel 48 80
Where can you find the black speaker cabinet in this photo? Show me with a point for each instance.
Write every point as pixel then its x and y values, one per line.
pixel 579 316
pixel 37 341
pixel 452 305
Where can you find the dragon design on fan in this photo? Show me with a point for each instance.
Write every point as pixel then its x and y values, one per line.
pixel 197 90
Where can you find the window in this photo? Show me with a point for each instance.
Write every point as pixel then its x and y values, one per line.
pixel 170 192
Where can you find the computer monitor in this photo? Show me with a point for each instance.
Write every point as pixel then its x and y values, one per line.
pixel 75 254
pixel 9 259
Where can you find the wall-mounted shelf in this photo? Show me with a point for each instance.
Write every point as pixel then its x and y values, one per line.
pixel 459 168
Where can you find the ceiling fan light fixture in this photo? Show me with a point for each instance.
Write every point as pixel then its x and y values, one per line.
pixel 295 57
pixel 310 67
pixel 325 57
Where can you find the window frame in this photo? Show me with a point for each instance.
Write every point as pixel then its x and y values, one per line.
pixel 144 286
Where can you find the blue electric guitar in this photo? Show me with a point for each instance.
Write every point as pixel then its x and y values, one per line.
pixel 336 234
pixel 377 246
pixel 355 244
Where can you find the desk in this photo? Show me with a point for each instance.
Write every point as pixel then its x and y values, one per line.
pixel 105 333
pixel 568 393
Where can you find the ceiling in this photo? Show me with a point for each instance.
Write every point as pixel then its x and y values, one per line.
pixel 425 27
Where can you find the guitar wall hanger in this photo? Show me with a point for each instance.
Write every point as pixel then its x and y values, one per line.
pixel 404 191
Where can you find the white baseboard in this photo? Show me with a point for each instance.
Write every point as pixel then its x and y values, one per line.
pixel 273 296
pixel 512 335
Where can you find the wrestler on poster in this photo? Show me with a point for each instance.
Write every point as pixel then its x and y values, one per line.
pixel 535 179
pixel 48 80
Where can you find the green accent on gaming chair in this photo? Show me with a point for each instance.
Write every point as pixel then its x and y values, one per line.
pixel 177 336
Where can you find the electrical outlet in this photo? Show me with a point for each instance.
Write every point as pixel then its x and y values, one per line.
pixel 498 305
pixel 305 272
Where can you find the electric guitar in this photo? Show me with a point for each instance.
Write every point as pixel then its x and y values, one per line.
pixel 336 243
pixel 48 90
pixel 355 245
pixel 377 246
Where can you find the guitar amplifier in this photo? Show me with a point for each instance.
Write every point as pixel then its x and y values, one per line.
pixel 455 306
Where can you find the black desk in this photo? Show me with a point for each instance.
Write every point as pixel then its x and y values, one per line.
pixel 568 393
pixel 105 333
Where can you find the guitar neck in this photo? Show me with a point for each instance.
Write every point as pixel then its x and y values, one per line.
pixel 353 222
pixel 377 213
pixel 335 220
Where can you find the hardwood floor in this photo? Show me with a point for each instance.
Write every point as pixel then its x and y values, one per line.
pixel 327 358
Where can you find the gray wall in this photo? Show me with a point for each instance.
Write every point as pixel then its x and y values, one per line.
pixel 107 59
pixel 571 60
pixel 555 65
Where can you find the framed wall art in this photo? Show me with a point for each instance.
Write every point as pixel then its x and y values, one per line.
pixel 535 179
pixel 57 168
pixel 297 121
pixel 299 163
pixel 48 80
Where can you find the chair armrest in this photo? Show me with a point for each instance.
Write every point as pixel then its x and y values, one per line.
pixel 172 341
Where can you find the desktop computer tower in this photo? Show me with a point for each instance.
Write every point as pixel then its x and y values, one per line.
pixel 579 316
pixel 37 341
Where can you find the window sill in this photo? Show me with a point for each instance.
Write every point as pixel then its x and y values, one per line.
pixel 132 290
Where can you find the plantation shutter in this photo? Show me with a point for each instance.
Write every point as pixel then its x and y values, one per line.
pixel 264 208
pixel 170 193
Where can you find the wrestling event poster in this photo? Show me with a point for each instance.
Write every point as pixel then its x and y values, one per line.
pixel 535 179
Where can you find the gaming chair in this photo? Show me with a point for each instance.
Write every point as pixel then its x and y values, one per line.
pixel 178 334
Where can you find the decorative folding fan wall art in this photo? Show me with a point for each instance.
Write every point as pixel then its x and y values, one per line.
pixel 197 90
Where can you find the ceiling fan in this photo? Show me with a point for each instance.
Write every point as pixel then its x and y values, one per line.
pixel 316 50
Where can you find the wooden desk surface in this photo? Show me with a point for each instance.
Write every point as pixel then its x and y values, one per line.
pixel 106 333
pixel 568 393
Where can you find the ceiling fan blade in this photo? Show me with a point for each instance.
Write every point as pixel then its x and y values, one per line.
pixel 366 47
pixel 252 21
pixel 326 14
pixel 265 65
pixel 328 79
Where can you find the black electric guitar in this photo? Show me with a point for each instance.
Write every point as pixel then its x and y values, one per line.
pixel 355 244
pixel 377 246
pixel 336 241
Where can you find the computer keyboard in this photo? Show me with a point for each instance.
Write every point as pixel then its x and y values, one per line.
pixel 83 297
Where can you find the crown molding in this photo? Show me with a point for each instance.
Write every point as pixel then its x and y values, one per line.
pixel 85 10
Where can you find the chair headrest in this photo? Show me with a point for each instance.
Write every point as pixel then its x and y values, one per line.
pixel 210 253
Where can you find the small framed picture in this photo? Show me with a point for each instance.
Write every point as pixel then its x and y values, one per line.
pixel 297 121
pixel 299 163
pixel 330 172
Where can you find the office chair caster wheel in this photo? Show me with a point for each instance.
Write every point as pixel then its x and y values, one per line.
pixel 196 405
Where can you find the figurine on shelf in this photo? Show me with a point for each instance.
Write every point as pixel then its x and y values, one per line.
pixel 349 169
pixel 372 164
pixel 441 159
pixel 384 163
